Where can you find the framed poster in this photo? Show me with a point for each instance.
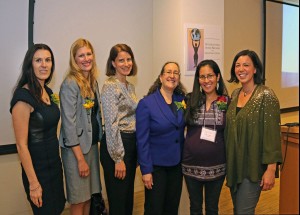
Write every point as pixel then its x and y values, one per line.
pixel 202 42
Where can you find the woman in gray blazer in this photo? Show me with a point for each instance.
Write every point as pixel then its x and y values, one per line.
pixel 81 127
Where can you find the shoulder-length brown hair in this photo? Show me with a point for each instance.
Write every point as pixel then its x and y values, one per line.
pixel 114 51
pixel 258 76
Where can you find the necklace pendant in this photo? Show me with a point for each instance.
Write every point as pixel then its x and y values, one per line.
pixel 245 94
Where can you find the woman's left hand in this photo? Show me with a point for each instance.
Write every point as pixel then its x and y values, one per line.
pixel 268 179
pixel 148 180
pixel 83 168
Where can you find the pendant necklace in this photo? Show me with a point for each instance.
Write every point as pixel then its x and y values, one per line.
pixel 247 93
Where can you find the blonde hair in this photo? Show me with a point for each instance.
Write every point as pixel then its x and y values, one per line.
pixel 86 86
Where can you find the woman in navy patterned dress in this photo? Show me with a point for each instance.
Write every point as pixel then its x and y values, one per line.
pixel 203 162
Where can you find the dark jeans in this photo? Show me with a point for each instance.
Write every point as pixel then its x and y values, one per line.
pixel 120 192
pixel 246 197
pixel 164 197
pixel 212 191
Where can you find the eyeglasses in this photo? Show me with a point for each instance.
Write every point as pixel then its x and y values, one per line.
pixel 175 73
pixel 209 77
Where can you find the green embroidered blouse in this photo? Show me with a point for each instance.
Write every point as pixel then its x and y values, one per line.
pixel 252 136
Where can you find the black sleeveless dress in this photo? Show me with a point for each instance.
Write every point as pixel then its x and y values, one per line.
pixel 44 150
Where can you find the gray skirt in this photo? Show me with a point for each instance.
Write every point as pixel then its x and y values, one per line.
pixel 80 189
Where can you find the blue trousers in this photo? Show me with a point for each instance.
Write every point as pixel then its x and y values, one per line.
pixel 212 191
pixel 246 197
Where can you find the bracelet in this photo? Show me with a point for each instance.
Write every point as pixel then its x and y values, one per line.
pixel 35 188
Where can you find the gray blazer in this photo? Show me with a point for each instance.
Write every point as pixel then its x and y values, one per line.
pixel 76 126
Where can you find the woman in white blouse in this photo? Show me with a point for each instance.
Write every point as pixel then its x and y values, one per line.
pixel 118 146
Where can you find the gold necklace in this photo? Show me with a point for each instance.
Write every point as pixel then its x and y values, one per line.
pixel 248 93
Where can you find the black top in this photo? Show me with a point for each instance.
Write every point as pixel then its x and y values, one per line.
pixel 44 151
pixel 95 124
pixel 43 120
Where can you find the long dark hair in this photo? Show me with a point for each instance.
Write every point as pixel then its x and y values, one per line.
pixel 180 89
pixel 197 97
pixel 258 76
pixel 27 75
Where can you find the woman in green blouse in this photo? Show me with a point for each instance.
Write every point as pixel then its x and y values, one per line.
pixel 252 134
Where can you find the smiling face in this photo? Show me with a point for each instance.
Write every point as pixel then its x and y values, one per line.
pixel 244 69
pixel 42 64
pixel 84 59
pixel 208 79
pixel 123 65
pixel 170 77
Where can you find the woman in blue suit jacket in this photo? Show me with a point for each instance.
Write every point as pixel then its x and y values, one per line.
pixel 160 136
pixel 81 127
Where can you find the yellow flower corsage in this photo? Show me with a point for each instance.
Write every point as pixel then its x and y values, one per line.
pixel 55 98
pixel 180 105
pixel 89 103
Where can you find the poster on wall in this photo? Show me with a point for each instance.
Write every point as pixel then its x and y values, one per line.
pixel 202 42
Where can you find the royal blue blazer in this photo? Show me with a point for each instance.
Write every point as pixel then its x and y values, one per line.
pixel 160 133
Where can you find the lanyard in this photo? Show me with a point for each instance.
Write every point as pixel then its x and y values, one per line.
pixel 204 111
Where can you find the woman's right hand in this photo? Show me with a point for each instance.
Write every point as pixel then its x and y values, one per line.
pixel 21 115
pixel 36 195
pixel 148 181
pixel 83 168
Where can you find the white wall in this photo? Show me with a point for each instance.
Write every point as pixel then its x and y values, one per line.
pixel 153 28
pixel 58 24
pixel 243 30
pixel 169 17
pixel 13 28
pixel 104 23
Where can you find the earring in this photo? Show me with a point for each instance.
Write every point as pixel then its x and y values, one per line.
pixel 217 85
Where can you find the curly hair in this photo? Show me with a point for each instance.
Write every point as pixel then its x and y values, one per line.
pixel 180 89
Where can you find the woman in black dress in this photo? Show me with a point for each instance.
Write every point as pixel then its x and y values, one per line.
pixel 35 116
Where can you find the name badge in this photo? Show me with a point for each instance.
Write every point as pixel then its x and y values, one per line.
pixel 208 134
